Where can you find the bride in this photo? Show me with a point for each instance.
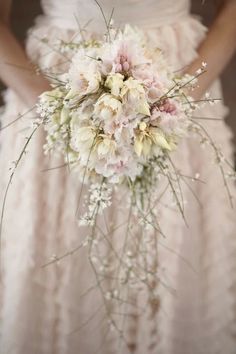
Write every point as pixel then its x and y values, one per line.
pixel 56 309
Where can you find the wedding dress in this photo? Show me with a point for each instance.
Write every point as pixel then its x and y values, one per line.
pixel 50 310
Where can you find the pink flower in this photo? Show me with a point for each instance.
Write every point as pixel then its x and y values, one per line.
pixel 124 60
pixel 168 107
pixel 154 86
pixel 166 115
pixel 122 56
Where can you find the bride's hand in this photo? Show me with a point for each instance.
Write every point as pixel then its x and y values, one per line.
pixel 217 49
pixel 15 68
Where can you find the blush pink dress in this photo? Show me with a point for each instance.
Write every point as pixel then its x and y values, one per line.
pixel 57 309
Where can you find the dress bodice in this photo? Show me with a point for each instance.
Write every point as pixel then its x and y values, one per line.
pixel 144 13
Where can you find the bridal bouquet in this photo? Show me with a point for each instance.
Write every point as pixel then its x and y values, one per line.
pixel 117 114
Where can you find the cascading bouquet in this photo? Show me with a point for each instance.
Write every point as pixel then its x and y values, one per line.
pixel 117 115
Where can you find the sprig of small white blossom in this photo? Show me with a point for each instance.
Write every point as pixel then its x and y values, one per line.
pixel 98 200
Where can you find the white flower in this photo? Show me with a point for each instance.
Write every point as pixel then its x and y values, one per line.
pixel 106 147
pixel 159 138
pixel 84 77
pixel 83 139
pixel 133 94
pixel 115 83
pixel 142 145
pixel 124 52
pixel 107 107
pixel 83 112
pixel 99 199
pixel 199 71
pixel 56 119
pixel 49 102
pixel 148 138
